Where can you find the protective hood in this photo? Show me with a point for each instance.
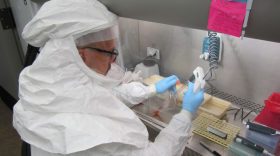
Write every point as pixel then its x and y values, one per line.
pixel 65 106
pixel 60 18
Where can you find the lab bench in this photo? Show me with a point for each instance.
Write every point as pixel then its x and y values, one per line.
pixel 193 148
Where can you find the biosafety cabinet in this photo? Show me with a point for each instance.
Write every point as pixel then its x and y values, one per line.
pixel 254 66
pixel 263 24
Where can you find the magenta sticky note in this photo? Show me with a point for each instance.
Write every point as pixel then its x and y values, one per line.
pixel 226 17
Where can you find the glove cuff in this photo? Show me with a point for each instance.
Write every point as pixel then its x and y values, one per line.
pixel 186 113
pixel 152 90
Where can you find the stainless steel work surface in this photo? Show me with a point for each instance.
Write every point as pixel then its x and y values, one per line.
pixel 194 140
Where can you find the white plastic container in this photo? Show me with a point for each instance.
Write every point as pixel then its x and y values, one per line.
pixel 147 71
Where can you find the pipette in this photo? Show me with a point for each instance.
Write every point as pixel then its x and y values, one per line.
pixel 250 144
pixel 260 128
pixel 199 83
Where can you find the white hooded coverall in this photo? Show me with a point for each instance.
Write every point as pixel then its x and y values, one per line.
pixel 65 108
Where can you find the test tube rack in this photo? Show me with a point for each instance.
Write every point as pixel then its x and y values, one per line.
pixel 203 121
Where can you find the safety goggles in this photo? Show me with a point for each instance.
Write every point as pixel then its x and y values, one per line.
pixel 114 53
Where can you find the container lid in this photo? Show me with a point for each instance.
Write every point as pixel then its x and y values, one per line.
pixel 149 63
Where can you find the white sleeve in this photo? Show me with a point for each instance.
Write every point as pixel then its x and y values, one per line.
pixel 134 92
pixel 171 141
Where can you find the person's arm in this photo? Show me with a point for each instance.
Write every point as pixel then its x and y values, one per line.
pixel 136 92
pixel 172 140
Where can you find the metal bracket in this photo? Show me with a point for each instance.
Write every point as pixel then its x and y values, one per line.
pixel 7 19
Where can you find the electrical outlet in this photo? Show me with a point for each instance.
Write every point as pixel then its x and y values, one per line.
pixel 151 51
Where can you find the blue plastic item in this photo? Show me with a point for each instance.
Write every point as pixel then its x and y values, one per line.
pixel 268 140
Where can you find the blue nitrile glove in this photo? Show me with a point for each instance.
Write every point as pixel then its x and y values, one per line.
pixel 165 84
pixel 192 101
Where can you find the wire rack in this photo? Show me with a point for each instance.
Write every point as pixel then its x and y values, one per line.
pixel 203 121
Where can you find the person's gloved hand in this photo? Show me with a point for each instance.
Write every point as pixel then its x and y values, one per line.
pixel 192 101
pixel 165 84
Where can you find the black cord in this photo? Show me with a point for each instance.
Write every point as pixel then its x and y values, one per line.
pixel 254 110
pixel 242 118
pixel 237 113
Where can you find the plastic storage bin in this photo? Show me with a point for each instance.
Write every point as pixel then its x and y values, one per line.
pixel 215 106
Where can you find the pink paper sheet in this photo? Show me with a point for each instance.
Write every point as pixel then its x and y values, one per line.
pixel 226 17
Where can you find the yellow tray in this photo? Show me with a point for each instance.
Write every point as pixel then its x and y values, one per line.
pixel 203 121
pixel 215 106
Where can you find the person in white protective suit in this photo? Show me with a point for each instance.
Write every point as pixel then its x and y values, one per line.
pixel 69 101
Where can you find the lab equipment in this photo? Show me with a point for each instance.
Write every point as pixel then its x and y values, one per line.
pixel 217 132
pixel 213 46
pixel 203 121
pixel 147 71
pixel 163 85
pixel 213 42
pixel 211 105
pixel 210 149
pixel 192 101
pixel 248 143
pixel 168 103
pixel 199 81
pixel 260 128
pixel 271 141
pixel 242 150
pixel 155 102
